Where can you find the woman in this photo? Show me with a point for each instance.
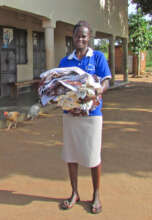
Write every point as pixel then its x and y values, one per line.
pixel 82 134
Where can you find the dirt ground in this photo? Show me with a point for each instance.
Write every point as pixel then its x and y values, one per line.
pixel 33 178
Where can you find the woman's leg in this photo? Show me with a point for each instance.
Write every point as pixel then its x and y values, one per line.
pixel 96 204
pixel 73 174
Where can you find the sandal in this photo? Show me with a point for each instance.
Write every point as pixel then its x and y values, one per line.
pixel 96 210
pixel 68 204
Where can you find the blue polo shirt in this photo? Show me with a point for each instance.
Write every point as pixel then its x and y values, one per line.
pixel 94 62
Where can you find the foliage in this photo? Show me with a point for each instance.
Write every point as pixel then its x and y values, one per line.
pixel 145 5
pixel 140 33
pixel 102 45
pixel 149 60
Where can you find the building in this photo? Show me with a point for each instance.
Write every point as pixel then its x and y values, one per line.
pixel 132 61
pixel 36 34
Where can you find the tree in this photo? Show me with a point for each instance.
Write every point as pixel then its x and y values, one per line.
pixel 140 34
pixel 102 45
pixel 145 5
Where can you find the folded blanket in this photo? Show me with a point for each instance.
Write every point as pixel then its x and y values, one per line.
pixel 68 88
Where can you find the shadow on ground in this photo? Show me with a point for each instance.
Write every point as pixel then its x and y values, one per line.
pixel 13 198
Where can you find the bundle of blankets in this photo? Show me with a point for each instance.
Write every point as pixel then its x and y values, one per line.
pixel 70 88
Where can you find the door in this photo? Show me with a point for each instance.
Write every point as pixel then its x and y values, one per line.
pixel 69 45
pixel 7 60
pixel 39 59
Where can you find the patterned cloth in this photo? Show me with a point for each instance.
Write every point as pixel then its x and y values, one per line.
pixel 67 86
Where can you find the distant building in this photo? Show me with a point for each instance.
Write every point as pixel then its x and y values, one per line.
pixel 132 61
pixel 36 34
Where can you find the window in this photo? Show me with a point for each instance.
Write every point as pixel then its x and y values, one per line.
pixel 69 45
pixel 39 59
pixel 21 46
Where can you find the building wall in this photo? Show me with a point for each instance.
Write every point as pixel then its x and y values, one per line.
pixel 108 16
pixel 62 30
pixel 105 16
pixel 15 19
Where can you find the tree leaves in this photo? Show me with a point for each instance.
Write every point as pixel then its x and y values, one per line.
pixel 145 5
pixel 140 32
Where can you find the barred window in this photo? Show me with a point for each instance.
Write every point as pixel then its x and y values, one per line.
pixel 21 46
pixel 69 45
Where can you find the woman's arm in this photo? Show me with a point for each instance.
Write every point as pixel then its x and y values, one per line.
pixel 104 87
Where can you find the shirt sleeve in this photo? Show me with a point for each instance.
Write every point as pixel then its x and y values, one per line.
pixel 102 68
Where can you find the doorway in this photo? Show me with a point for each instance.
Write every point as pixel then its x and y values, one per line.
pixel 39 58
pixel 7 60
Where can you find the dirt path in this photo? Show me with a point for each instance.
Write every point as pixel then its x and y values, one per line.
pixel 33 178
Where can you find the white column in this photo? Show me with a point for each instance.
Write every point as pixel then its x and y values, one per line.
pixel 49 43
pixel 112 57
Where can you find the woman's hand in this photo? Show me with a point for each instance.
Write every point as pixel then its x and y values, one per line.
pixel 99 91
pixel 77 112
pixel 87 99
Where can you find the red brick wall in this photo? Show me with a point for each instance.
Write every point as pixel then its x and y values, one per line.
pixel 142 63
pixel 119 60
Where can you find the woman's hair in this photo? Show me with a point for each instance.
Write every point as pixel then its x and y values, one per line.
pixel 82 24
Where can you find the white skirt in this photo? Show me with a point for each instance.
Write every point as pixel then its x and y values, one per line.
pixel 82 138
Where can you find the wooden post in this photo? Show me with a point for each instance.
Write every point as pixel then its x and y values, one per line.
pixel 112 57
pixel 125 58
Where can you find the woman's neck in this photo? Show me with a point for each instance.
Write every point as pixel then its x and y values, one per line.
pixel 81 52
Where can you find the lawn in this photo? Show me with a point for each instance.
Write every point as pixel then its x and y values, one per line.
pixel 149 61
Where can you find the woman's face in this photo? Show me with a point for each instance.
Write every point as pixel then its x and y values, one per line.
pixel 81 37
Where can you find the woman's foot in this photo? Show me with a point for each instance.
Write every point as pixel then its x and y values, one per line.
pixel 96 208
pixel 69 203
pixel 96 204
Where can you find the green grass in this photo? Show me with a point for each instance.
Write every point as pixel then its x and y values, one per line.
pixel 148 69
pixel 106 55
pixel 149 61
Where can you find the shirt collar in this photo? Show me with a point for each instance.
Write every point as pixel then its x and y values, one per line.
pixel 73 55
